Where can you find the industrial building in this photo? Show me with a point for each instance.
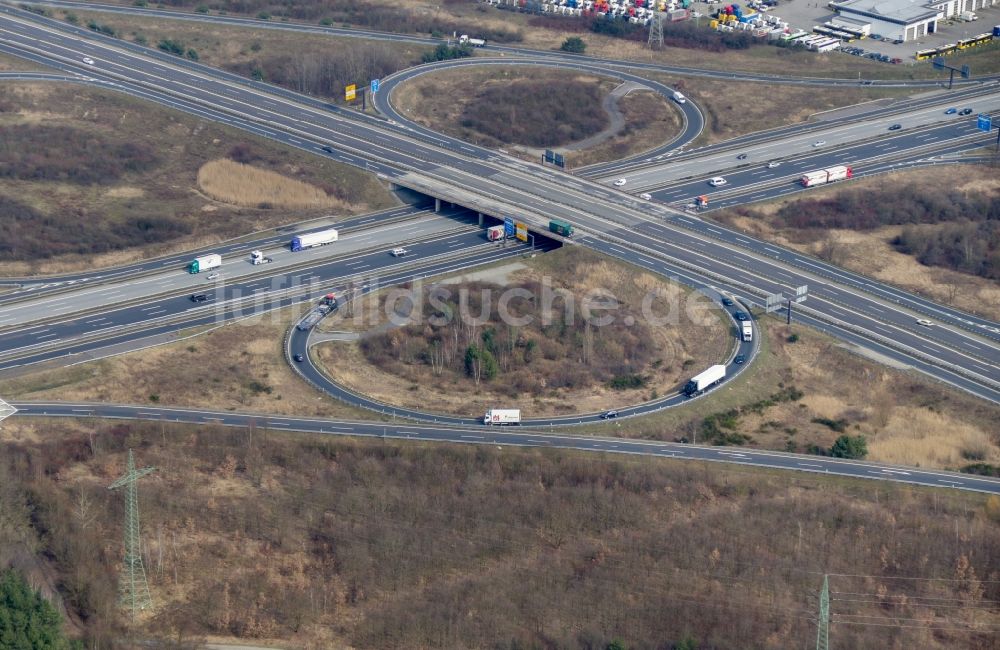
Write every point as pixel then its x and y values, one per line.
pixel 904 20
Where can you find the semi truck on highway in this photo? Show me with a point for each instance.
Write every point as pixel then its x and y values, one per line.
pixel 502 416
pixel 495 233
pixel 560 227
pixel 313 239
pixel 700 382
pixel 204 263
pixel 258 257
pixel 474 42
pixel 828 175
pixel 747 331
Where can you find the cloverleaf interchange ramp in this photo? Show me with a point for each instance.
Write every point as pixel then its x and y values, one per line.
pixel 458 171
pixel 479 169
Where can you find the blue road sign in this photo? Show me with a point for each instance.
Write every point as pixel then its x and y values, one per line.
pixel 508 226
pixel 374 86
pixel 984 123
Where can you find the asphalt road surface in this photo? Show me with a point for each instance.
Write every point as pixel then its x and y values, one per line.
pixel 521 437
pixel 542 192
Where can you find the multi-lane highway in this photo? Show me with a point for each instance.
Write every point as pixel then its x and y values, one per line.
pixel 96 316
pixel 487 182
pixel 960 349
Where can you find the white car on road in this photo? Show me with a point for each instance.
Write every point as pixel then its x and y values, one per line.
pixel 399 252
pixel 619 182
pixel 646 197
pixel 718 181
pixel 773 164
pixel 88 60
pixel 819 143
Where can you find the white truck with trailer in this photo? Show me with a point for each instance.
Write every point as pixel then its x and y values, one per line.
pixel 495 233
pixel 204 263
pixel 828 175
pixel 679 98
pixel 313 239
pixel 474 42
pixel 747 331
pixel 502 416
pixel 702 381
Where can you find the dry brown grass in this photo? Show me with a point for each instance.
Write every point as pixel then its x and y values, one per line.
pixel 183 144
pixel 331 542
pixel 735 108
pixel 239 367
pixel 238 184
pixel 870 252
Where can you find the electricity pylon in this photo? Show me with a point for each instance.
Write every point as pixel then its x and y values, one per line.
pixel 133 590
pixel 656 30
pixel 823 623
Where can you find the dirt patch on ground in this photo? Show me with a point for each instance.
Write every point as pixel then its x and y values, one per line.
pixel 238 184
pixel 871 252
pixel 568 366
pixel 438 101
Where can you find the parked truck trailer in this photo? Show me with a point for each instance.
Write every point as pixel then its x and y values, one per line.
pixel 502 416
pixel 828 175
pixel 313 239
pixel 700 382
pixel 204 263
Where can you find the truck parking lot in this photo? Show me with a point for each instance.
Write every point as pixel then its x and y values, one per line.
pixel 805 14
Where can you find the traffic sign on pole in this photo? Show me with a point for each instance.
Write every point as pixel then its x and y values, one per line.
pixel 508 227
pixel 984 122
pixel 801 293
pixel 375 83
pixel 774 302
pixel 350 92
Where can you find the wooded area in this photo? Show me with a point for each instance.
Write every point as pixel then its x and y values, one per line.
pixel 323 542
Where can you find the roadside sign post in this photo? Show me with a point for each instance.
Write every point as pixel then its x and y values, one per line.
pixel 374 85
pixel 964 71
pixel 801 293
pixel 984 122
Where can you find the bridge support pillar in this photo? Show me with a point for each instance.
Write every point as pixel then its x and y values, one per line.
pixel 480 218
pixel 437 205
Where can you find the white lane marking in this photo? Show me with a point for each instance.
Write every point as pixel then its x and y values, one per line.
pixel 474 437
pixel 811 465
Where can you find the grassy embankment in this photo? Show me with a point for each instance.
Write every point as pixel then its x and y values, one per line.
pixel 93 178
pixel 315 543
pixel 952 231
